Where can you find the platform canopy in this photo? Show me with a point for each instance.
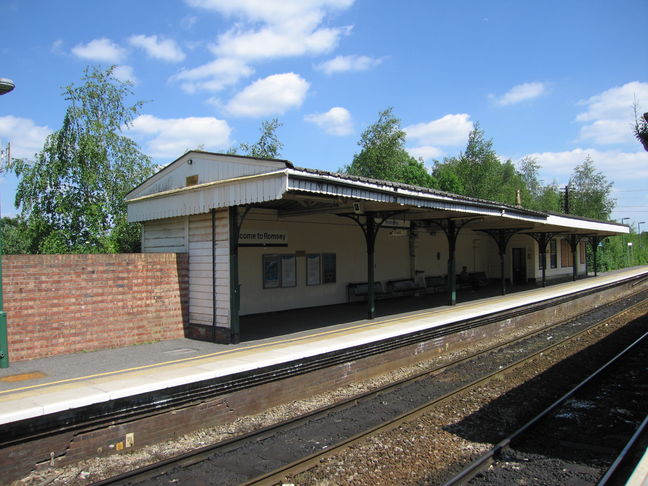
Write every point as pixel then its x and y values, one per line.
pixel 200 181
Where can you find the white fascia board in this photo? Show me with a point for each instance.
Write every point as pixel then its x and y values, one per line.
pixel 571 224
pixel 323 184
pixel 201 198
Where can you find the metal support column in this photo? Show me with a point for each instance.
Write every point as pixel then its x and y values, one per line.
pixel 543 240
pixel 594 242
pixel 574 240
pixel 502 238
pixel 370 238
pixel 235 222
pixel 451 230
pixel 370 230
pixel 4 342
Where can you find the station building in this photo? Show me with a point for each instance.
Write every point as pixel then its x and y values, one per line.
pixel 264 236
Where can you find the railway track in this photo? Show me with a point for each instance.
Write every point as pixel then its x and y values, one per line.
pixel 286 449
pixel 582 431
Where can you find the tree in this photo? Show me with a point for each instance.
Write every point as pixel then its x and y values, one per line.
pixel 641 128
pixel 267 147
pixel 383 155
pixel 478 172
pixel 536 195
pixel 13 236
pixel 71 197
pixel 589 192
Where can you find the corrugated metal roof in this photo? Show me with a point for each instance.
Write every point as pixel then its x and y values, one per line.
pixel 262 189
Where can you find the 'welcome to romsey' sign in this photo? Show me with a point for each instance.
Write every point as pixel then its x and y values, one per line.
pixel 263 238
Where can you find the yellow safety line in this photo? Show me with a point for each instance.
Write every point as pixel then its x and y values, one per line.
pixel 306 338
pixel 237 350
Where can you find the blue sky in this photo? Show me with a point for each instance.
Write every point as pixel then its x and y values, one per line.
pixel 555 79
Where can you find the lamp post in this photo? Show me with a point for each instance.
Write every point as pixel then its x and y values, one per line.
pixel 6 86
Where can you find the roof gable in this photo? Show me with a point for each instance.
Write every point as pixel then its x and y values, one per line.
pixel 197 167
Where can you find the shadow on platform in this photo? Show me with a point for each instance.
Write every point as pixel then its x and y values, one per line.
pixel 272 324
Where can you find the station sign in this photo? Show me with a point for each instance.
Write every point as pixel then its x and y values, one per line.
pixel 263 238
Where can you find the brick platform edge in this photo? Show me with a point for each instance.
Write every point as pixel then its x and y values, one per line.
pixel 59 304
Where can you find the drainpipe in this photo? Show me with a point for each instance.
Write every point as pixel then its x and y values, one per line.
pixel 452 262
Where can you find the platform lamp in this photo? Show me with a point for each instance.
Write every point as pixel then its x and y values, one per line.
pixel 639 231
pixel 6 85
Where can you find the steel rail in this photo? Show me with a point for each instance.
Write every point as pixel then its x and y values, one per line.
pixel 198 455
pixel 622 460
pixel 488 458
pixel 308 462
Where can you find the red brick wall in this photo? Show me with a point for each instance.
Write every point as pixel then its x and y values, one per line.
pixel 59 304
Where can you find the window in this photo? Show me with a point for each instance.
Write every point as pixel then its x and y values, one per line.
pixel 581 248
pixel 279 271
pixel 553 254
pixel 271 271
pixel 329 270
pixel 313 269
pixel 566 257
pixel 288 271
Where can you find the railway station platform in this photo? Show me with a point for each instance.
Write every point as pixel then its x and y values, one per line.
pixel 35 394
pixel 43 386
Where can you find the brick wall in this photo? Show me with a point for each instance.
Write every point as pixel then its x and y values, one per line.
pixel 59 304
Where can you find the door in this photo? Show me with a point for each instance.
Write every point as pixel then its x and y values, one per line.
pixel 519 266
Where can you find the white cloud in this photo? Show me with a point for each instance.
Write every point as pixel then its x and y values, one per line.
pixel 57 47
pixel 272 95
pixel 100 50
pixel 447 130
pixel 25 136
pixel 213 76
pixel 609 116
pixel 158 48
pixel 168 137
pixel 341 64
pixel 272 11
pixel 425 152
pixel 276 42
pixel 615 164
pixel 276 28
pixel 125 73
pixel 336 121
pixel 520 92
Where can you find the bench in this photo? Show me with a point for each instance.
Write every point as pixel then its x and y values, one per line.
pixel 403 286
pixel 361 290
pixel 473 281
pixel 435 283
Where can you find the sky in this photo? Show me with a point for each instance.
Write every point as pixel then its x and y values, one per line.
pixel 556 80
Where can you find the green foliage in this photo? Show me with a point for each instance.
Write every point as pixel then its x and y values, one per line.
pixel 383 155
pixel 478 172
pixel 589 194
pixel 641 128
pixel 536 195
pixel 72 196
pixel 267 147
pixel 13 236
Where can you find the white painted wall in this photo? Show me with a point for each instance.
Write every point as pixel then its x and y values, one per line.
pixel 536 271
pixel 165 236
pixel 200 269
pixel 319 234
